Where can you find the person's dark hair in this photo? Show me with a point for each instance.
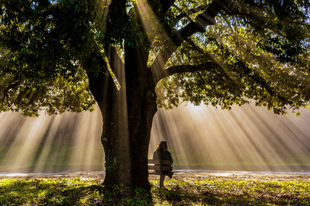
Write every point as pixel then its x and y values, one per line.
pixel 163 146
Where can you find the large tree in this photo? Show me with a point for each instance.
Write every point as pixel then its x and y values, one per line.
pixel 131 56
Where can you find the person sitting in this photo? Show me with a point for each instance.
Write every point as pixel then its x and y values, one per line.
pixel 162 153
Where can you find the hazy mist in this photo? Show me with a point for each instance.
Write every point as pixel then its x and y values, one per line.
pixel 198 137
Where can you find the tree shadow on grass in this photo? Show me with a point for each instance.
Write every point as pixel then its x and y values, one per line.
pixel 77 192
pixel 176 196
pixel 67 192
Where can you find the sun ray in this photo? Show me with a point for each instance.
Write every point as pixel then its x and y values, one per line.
pixel 244 138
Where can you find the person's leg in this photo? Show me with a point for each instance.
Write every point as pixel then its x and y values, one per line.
pixel 162 178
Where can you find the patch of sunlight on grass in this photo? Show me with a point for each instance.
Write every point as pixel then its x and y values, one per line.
pixel 176 192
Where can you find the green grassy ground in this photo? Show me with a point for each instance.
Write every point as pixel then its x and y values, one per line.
pixel 177 192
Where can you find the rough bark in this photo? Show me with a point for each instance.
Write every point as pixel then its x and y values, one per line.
pixel 141 105
pixel 127 116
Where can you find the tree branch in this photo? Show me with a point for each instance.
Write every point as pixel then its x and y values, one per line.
pixel 190 11
pixel 114 59
pixel 98 80
pixel 14 86
pixel 185 68
pixel 178 37
pixel 208 16
pixel 202 21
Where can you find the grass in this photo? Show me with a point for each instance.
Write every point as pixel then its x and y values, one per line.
pixel 177 192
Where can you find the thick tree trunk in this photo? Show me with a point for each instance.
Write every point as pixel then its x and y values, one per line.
pixel 126 150
pixel 127 118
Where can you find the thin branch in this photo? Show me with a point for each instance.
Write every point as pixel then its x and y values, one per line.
pixel 208 16
pixel 258 79
pixel 190 11
pixel 12 86
pixel 98 81
pixel 185 68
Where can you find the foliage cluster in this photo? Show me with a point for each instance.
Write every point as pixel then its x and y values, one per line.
pixel 36 61
pixel 177 192
pixel 257 50
pixel 257 62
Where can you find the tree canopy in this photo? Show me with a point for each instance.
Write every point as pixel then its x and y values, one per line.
pixel 256 50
